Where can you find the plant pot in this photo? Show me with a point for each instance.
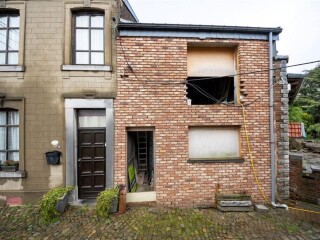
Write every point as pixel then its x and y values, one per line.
pixel 114 205
pixel 6 168
pixel 63 202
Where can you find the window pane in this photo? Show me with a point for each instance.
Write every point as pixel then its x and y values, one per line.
pixel 3 120
pixel 2 58
pixel 97 21
pixel 13 39
pixel 97 58
pixel 2 156
pixel 92 118
pixel 13 58
pixel 209 143
pixel 3 22
pixel 97 40
pixel 14 21
pixel 13 118
pixel 13 138
pixel 82 58
pixel 3 138
pixel 82 39
pixel 13 156
pixel 82 21
pixel 3 39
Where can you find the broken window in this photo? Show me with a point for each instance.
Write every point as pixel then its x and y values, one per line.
pixel 211 75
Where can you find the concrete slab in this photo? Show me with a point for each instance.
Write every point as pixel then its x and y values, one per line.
pixel 261 208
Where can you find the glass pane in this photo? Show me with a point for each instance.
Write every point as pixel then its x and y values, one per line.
pixel 3 22
pixel 92 118
pixel 13 118
pixel 82 39
pixel 97 58
pixel 3 120
pixel 3 138
pixel 97 40
pixel 13 58
pixel 13 156
pixel 82 58
pixel 97 21
pixel 2 156
pixel 13 39
pixel 2 58
pixel 3 39
pixel 14 22
pixel 13 138
pixel 82 21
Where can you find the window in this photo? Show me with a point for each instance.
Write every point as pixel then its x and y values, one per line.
pixel 89 39
pixel 214 143
pixel 9 135
pixel 211 75
pixel 9 38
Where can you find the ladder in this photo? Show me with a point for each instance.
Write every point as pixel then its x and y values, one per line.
pixel 142 151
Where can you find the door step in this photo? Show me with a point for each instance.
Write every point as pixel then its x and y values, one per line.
pixel 234 203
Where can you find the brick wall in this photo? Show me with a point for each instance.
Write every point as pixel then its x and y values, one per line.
pixel 303 186
pixel 145 99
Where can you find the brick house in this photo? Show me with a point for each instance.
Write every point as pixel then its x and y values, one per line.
pixel 179 128
pixel 53 78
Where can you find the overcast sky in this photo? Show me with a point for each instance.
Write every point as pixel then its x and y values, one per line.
pixel 300 20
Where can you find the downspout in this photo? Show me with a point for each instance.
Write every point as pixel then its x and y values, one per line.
pixel 271 127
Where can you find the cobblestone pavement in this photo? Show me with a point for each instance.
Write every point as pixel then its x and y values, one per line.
pixel 149 222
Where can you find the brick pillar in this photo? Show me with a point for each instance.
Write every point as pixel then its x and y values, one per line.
pixel 281 113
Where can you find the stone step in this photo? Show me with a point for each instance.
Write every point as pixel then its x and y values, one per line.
pixel 235 209
pixel 234 203
pixel 233 197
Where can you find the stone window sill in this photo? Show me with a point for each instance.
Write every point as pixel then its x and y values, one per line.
pixel 12 68
pixel 18 174
pixel 216 160
pixel 103 68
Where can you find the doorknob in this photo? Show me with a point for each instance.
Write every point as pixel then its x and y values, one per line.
pixel 79 159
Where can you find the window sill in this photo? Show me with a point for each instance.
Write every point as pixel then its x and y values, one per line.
pixel 216 160
pixel 103 68
pixel 18 174
pixel 12 68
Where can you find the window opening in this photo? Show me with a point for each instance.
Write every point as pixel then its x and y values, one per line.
pixel 140 161
pixel 89 38
pixel 9 135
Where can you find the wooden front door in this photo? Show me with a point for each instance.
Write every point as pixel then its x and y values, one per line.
pixel 91 162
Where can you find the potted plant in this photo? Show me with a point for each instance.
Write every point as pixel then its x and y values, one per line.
pixel 107 202
pixel 10 166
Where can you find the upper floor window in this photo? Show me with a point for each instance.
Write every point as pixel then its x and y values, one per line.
pixel 9 135
pixel 89 38
pixel 9 38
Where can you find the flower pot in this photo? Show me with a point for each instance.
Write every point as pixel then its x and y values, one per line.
pixel 6 168
pixel 63 202
pixel 114 205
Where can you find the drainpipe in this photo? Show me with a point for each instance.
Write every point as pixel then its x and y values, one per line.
pixel 271 122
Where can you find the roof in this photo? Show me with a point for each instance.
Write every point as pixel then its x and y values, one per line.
pixel 295 80
pixel 130 9
pixel 196 31
pixel 295 130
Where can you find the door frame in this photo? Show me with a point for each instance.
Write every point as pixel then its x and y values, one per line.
pixel 71 107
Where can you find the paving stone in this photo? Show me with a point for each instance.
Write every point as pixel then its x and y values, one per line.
pixel 261 208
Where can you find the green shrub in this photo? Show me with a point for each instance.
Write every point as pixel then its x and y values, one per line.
pixel 296 114
pixel 104 201
pixel 48 213
pixel 314 130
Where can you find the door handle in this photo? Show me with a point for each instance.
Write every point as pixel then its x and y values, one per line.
pixel 79 159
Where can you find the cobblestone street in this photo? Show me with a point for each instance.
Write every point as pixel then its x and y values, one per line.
pixel 156 223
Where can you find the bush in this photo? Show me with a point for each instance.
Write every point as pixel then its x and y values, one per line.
pixel 296 114
pixel 314 130
pixel 48 213
pixel 105 200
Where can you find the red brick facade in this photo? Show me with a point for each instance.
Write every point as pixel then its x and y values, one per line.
pixel 152 95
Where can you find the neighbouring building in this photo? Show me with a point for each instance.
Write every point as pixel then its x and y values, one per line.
pixel 57 84
pixel 179 127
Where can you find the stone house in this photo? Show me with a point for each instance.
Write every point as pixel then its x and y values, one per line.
pixel 57 71
pixel 179 127
pixel 155 107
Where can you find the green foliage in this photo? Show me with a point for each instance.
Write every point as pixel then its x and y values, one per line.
pixel 296 114
pixel 314 130
pixel 104 201
pixel 48 213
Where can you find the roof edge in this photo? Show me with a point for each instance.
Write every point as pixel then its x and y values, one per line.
pixel 126 2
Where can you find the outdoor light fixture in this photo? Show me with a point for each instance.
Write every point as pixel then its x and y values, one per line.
pixel 55 143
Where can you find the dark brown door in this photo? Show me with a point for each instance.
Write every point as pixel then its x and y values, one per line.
pixel 91 162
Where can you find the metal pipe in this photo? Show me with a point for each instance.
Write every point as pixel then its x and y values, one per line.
pixel 271 121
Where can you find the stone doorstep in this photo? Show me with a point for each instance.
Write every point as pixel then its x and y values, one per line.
pixel 261 208
pixel 235 203
pixel 235 209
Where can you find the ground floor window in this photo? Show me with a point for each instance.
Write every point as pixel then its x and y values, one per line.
pixel 214 143
pixel 140 161
pixel 9 135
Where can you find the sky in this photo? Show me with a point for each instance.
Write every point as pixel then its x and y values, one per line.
pixel 299 19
